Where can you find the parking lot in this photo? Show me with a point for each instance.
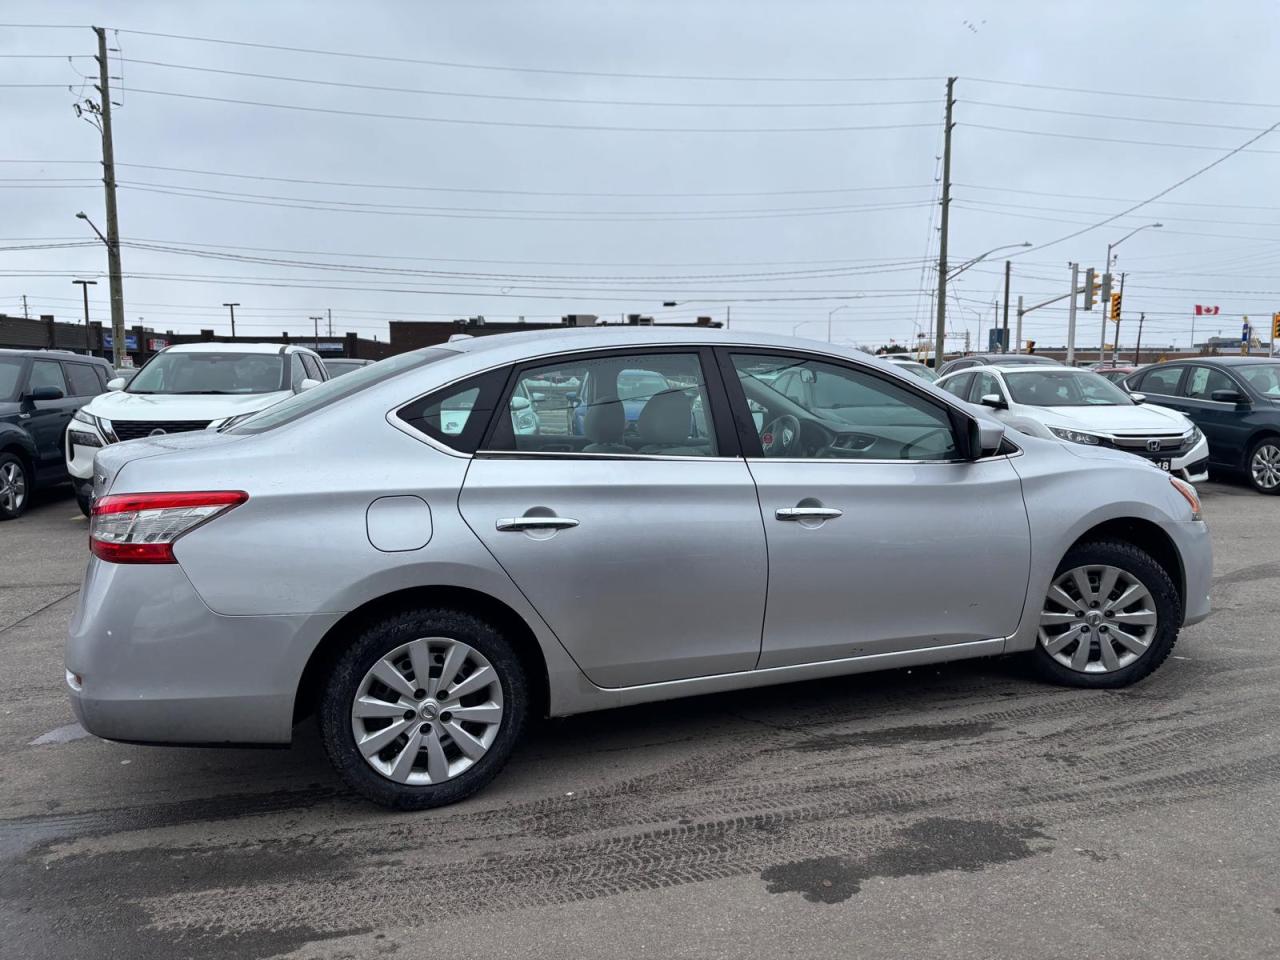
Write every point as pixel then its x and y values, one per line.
pixel 957 811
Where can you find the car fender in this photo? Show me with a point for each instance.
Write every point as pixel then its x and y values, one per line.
pixel 12 435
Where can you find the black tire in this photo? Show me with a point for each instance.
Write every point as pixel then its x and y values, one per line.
pixel 371 645
pixel 84 498
pixel 1265 442
pixel 1168 606
pixel 11 462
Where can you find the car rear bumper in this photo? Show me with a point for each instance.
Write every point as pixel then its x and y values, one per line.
pixel 147 661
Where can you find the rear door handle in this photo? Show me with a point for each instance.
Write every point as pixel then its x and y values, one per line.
pixel 536 523
pixel 808 513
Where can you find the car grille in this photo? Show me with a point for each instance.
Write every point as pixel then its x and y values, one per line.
pixel 1169 445
pixel 133 429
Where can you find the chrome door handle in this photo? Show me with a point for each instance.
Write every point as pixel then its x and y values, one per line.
pixel 536 523
pixel 808 513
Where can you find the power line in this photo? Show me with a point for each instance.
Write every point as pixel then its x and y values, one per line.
pixel 1120 93
pixel 1140 143
pixel 1107 116
pixel 526 124
pixel 382 58
pixel 1057 194
pixel 754 105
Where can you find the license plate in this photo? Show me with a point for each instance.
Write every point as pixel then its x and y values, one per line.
pixel 1163 465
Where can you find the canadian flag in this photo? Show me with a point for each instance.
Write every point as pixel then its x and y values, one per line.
pixel 1203 311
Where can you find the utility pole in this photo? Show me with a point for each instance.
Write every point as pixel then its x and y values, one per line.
pixel 25 316
pixel 315 322
pixel 1071 315
pixel 940 341
pixel 232 308
pixel 1106 308
pixel 726 317
pixel 85 285
pixel 1018 335
pixel 329 311
pixel 1008 267
pixel 1137 351
pixel 113 223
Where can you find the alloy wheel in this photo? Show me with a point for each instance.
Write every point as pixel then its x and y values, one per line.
pixel 427 711
pixel 1265 466
pixel 13 486
pixel 1097 619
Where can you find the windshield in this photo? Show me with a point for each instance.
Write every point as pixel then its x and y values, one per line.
pixel 920 370
pixel 1065 388
pixel 633 385
pixel 1263 377
pixel 10 370
pixel 212 373
pixel 339 388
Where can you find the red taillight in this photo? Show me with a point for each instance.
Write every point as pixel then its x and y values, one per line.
pixel 142 527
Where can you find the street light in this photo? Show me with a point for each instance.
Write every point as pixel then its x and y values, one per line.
pixel 1102 344
pixel 830 315
pixel 85 285
pixel 796 326
pixel 939 349
pixel 117 301
pixel 978 259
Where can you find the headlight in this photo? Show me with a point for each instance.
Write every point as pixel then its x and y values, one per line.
pixel 1074 436
pixel 85 417
pixel 1192 436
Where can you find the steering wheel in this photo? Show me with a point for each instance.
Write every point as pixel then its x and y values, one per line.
pixel 781 437
pixel 911 444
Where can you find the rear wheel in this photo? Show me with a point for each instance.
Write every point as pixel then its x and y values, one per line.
pixel 15 486
pixel 1110 617
pixel 1263 466
pixel 424 709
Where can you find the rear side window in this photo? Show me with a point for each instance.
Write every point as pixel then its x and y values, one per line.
pixel 1202 381
pixel 1160 380
pixel 312 366
pixel 84 381
pixel 457 415
pixel 297 372
pixel 958 385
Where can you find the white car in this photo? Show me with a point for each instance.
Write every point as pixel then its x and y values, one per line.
pixel 907 362
pixel 193 386
pixel 1080 406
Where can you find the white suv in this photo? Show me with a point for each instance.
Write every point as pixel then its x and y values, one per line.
pixel 189 387
pixel 1082 407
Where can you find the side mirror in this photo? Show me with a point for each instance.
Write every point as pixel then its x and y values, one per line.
pixel 1138 397
pixel 985 438
pixel 994 401
pixel 519 403
pixel 116 383
pixel 45 393
pixel 1228 396
pixel 308 384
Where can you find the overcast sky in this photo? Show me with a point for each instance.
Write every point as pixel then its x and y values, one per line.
pixel 492 214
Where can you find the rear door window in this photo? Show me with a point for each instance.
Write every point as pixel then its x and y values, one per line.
pixel 1202 381
pixel 1161 380
pixel 312 366
pixel 457 415
pixel 958 385
pixel 84 381
pixel 46 373
pixel 984 384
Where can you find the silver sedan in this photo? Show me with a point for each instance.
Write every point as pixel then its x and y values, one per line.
pixel 399 553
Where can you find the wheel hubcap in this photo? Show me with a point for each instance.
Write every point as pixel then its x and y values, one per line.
pixel 427 711
pixel 1097 619
pixel 13 486
pixel 1265 467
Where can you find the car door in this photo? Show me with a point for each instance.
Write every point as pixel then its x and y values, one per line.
pixel 881 538
pixel 1225 425
pixel 1161 384
pixel 640 545
pixel 958 385
pixel 986 384
pixel 47 420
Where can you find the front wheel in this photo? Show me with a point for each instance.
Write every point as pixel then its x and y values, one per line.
pixel 423 709
pixel 1264 465
pixel 1111 616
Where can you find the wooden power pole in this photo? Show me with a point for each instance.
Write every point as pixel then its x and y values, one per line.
pixel 939 345
pixel 113 223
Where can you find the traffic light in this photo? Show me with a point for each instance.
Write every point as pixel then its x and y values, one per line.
pixel 1275 326
pixel 1031 344
pixel 1091 287
pixel 1115 306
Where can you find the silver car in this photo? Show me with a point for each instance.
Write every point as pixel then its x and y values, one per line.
pixel 425 585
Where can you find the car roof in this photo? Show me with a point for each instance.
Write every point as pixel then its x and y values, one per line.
pixel 216 347
pixel 51 355
pixel 1039 368
pixel 1220 361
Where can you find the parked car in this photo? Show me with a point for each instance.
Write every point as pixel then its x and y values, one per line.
pixel 337 366
pixel 1116 375
pixel 985 359
pixel 450 586
pixel 911 366
pixel 39 392
pixel 187 387
pixel 1083 407
pixel 1234 400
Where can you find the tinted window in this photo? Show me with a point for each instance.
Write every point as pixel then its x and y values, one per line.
pixel 84 381
pixel 457 415
pixel 297 372
pixel 1202 381
pixel 1064 388
pixel 852 414
pixel 312 366
pixel 331 391
pixel 1160 380
pixel 209 373
pixel 10 371
pixel 958 385
pixel 46 373
pixel 1263 377
pixel 654 405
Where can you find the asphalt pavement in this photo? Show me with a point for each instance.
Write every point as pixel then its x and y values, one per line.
pixel 963 811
